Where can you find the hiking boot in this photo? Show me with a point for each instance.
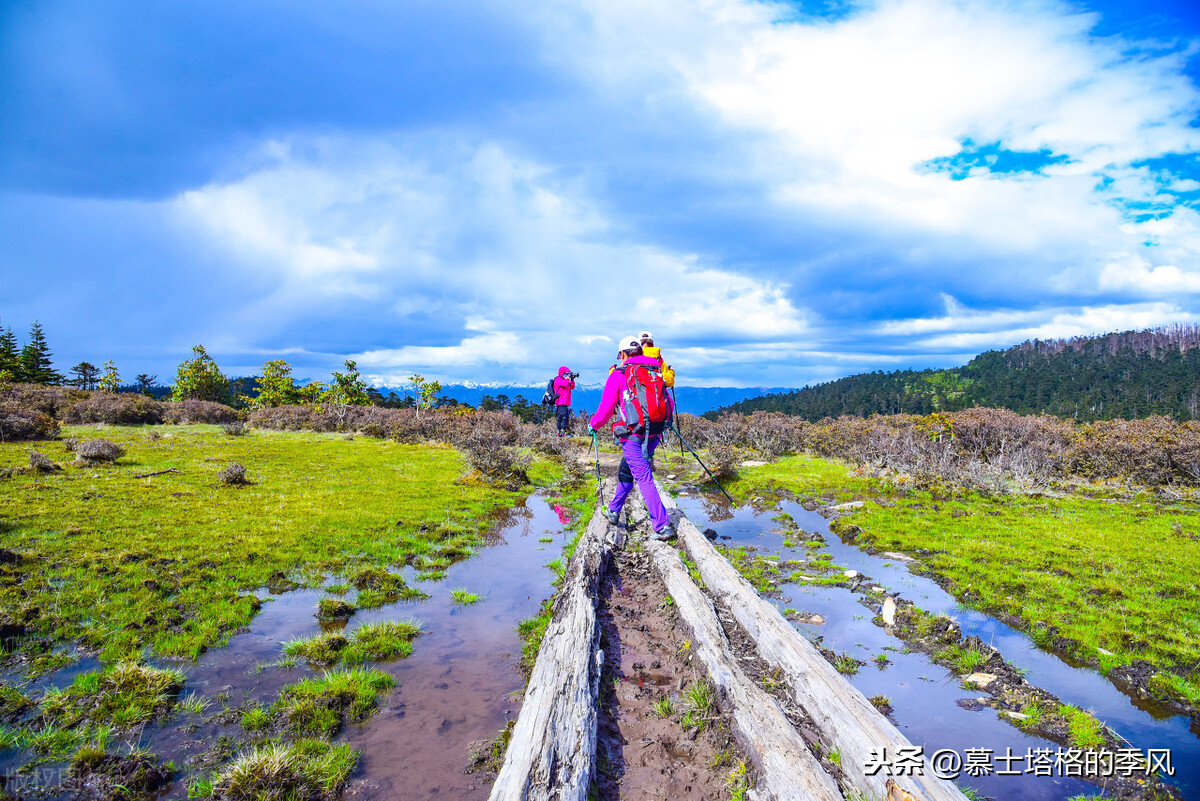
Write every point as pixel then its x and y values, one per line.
pixel 613 517
pixel 666 533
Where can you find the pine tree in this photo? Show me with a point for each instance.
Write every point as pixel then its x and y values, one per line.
pixel 85 375
pixel 36 367
pixel 10 357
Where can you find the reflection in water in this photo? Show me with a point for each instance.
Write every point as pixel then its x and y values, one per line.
pixel 924 695
pixel 456 688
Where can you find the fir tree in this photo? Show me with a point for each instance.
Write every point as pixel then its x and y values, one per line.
pixel 36 367
pixel 10 357
pixel 85 375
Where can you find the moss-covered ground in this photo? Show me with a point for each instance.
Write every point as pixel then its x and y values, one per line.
pixel 1106 580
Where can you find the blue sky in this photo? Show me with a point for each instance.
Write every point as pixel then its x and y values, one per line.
pixel 783 193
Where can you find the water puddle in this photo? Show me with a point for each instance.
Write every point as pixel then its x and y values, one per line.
pixel 924 695
pixel 456 688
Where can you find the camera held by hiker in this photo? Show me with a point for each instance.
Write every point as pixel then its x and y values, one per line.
pixel 563 384
pixel 636 392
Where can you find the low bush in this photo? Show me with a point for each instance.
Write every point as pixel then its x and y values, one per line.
pixel 97 451
pixel 114 409
pixel 198 411
pixel 233 475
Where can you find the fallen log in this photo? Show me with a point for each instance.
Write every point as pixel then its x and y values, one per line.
pixel 785 768
pixel 552 752
pixel 845 719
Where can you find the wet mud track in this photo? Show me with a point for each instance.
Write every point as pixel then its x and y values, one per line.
pixel 642 754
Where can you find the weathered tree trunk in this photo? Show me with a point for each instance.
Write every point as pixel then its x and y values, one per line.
pixel 552 752
pixel 845 719
pixel 785 767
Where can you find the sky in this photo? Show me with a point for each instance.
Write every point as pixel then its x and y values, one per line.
pixel 783 193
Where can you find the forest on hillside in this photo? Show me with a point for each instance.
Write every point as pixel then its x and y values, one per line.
pixel 1122 375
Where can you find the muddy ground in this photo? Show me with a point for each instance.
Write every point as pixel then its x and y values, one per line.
pixel 641 754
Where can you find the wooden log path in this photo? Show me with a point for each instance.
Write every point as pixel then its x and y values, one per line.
pixel 846 720
pixel 551 754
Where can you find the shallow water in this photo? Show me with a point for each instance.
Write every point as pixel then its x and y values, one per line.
pixel 456 688
pixel 924 694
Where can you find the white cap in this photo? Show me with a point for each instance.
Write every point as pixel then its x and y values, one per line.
pixel 629 343
pixel 645 335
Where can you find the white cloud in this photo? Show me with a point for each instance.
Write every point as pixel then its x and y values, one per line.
pixel 973 331
pixel 492 243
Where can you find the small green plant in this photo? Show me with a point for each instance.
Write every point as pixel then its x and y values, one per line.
pixel 546 539
pixel 256 719
pixel 194 703
pixel 845 664
pixel 699 697
pixel 303 769
pixel 835 757
pixel 737 782
pixel 663 707
pixel 963 659
pixel 334 609
pixel 882 703
pixel 316 706
pixel 464 598
pixel 123 695
pixel 882 661
pixel 1085 730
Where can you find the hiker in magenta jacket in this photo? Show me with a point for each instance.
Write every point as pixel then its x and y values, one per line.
pixel 635 464
pixel 563 385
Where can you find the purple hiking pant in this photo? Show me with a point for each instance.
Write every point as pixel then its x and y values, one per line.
pixel 644 476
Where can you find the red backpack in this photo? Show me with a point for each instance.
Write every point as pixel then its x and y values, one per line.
pixel 644 399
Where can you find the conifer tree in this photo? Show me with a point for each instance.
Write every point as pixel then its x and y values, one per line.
pixel 36 367
pixel 85 375
pixel 10 357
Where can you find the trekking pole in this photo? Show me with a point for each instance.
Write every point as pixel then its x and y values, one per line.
pixel 599 482
pixel 675 403
pixel 706 470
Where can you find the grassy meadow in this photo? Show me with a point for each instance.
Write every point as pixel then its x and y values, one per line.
pixel 171 562
pixel 1105 580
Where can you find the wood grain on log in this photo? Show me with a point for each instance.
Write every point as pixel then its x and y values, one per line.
pixel 552 752
pixel 785 767
pixel 846 720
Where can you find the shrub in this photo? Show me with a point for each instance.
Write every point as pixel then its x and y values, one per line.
pixel 199 411
pixel 235 429
pixel 42 463
pixel 23 424
pixel 97 451
pixel 233 475
pixel 114 409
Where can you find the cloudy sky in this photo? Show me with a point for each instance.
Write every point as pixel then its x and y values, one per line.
pixel 783 193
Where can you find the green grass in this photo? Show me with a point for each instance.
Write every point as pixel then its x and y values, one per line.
pixel 1091 572
pixel 663 707
pixel 172 562
pixel 370 642
pixel 963 659
pixel 303 769
pixel 464 598
pixel 122 695
pixel 1086 731
pixel 333 609
pixel 761 572
pixel 317 706
pixel 256 719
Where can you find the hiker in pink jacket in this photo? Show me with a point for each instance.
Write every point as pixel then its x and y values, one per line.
pixel 637 448
pixel 563 384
